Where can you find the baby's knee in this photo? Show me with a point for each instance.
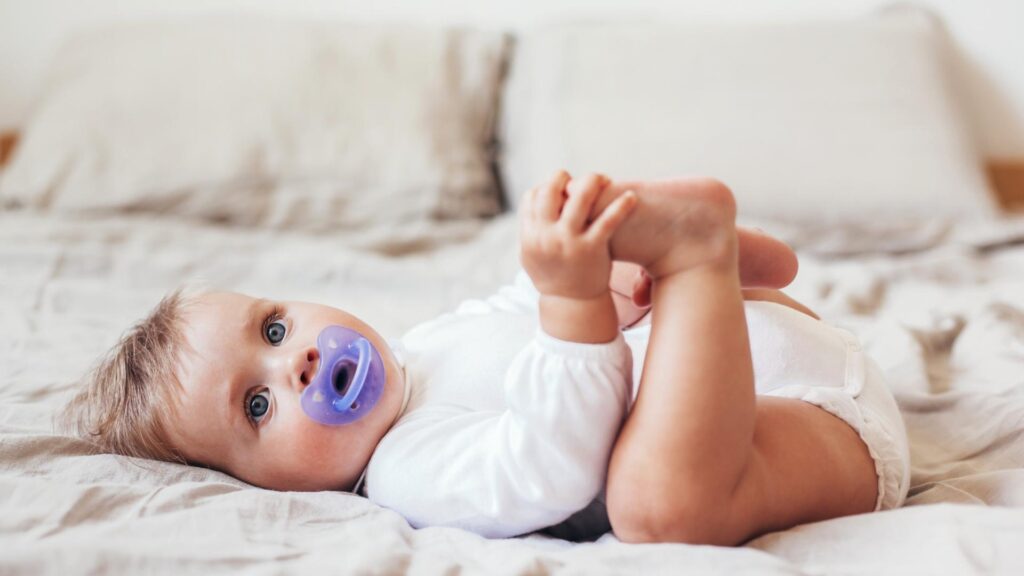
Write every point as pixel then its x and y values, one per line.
pixel 642 515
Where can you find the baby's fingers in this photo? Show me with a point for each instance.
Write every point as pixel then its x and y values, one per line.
pixel 582 195
pixel 550 197
pixel 612 216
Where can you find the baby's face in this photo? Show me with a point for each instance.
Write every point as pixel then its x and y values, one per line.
pixel 240 410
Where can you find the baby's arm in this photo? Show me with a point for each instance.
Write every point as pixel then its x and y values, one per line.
pixel 569 260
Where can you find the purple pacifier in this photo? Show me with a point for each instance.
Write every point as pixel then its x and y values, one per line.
pixel 349 381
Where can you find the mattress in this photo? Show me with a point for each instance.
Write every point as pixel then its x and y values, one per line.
pixel 940 308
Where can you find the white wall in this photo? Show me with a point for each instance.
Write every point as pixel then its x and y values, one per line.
pixel 989 34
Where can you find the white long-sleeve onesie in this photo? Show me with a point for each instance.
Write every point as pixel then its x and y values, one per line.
pixel 507 429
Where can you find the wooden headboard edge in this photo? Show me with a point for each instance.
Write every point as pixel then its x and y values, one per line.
pixel 1007 178
pixel 8 139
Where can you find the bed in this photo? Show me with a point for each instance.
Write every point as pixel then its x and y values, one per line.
pixel 94 231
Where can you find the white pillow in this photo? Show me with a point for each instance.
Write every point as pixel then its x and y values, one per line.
pixel 259 121
pixel 803 120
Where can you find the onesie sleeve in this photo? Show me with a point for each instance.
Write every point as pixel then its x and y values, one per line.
pixel 506 473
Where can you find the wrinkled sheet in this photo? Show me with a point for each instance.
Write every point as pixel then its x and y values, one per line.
pixel 943 314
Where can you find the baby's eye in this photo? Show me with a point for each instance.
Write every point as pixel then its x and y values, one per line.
pixel 275 332
pixel 256 406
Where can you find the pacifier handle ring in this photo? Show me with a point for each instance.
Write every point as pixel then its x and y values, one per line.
pixel 358 379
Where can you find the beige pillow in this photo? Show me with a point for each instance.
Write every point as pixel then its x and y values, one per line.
pixel 269 122
pixel 811 120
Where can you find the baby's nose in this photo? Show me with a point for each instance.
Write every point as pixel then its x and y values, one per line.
pixel 309 362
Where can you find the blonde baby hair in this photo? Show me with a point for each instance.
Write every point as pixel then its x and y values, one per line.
pixel 126 403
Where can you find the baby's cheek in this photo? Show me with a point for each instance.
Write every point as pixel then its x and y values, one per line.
pixel 312 443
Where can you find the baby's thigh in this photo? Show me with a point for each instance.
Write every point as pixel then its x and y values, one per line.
pixel 809 465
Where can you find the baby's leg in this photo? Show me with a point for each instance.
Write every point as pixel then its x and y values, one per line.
pixel 696 461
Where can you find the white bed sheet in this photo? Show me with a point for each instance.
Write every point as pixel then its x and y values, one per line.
pixel 946 323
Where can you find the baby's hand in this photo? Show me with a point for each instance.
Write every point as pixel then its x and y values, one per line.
pixel 563 253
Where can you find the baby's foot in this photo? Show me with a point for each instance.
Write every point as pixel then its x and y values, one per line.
pixel 676 225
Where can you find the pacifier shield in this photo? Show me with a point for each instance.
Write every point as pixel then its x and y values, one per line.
pixel 349 381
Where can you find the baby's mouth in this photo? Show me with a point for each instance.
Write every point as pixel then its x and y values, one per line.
pixel 343 379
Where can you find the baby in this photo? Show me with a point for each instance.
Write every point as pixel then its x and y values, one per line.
pixel 519 412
